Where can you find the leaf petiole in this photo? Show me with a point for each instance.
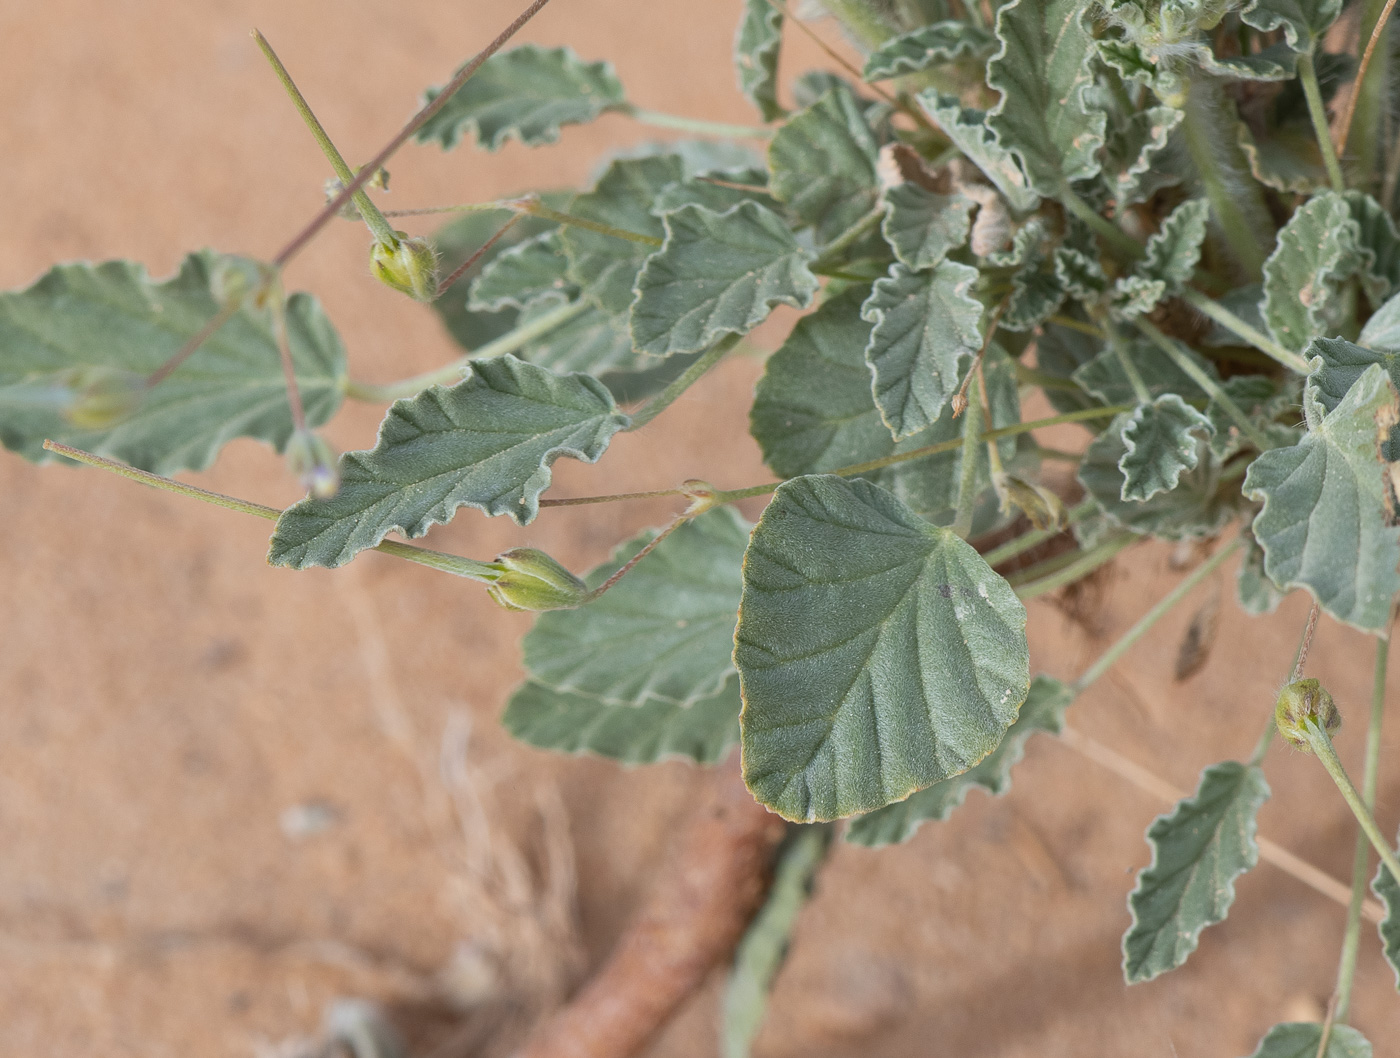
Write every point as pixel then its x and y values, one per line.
pixel 698 126
pixel 1227 319
pixel 1317 111
pixel 1320 742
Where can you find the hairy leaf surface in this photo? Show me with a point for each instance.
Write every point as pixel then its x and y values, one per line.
pixel 1324 525
pixel 1160 442
pixel 642 734
pixel 971 134
pixel 1382 330
pixel 823 163
pixel 527 93
pixel 1105 377
pixel 1044 710
pixel 665 631
pixel 925 324
pixel 756 46
pixel 1301 1039
pixel 487 442
pixel 923 226
pixel 1197 853
pixel 1387 890
pixel 718 274
pixel 1303 21
pixel 522 275
pixel 1317 249
pixel 113 315
pixel 1043 70
pixel 1170 259
pixel 878 654
pixel 925 47
pixel 1134 159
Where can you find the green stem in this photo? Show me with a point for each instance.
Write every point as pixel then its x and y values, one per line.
pixel 1147 620
pixel 967 476
pixel 1123 245
pixel 1320 742
pixel 1222 189
pixel 484 572
pixel 1193 370
pixel 1081 568
pixel 1140 390
pixel 380 228
pixel 843 242
pixel 1034 537
pixel 1317 110
pixel 1227 319
pixel 663 400
pixel 509 342
pixel 1351 941
pixel 698 126
pixel 533 206
pixel 1367 100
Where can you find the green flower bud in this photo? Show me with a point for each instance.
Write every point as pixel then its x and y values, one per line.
pixel 534 581
pixel 100 397
pixel 313 463
pixel 1044 509
pixel 410 266
pixel 1302 701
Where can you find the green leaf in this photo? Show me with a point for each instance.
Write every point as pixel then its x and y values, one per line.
pixel 1301 1039
pixel 1060 353
pixel 1106 379
pixel 1159 444
pixel 1324 525
pixel 1257 594
pixel 1336 365
pixel 1134 161
pixel 594 342
pixel 925 47
pixel 1044 710
pixel 605 267
pixel 878 654
pixel 527 92
pixel 113 315
pixel 1170 259
pixel 1263 400
pixel 813 411
pixel 1288 159
pixel 523 274
pixel 642 734
pixel 823 164
pixel 1200 505
pixel 714 197
pixel 1197 853
pixel 925 324
pixel 1388 892
pixel 663 632
pixel 1380 246
pixel 487 442
pixel 969 131
pixel 1382 330
pixel 923 226
pixel 1303 21
pixel 718 274
pixel 763 949
pixel 1317 250
pixel 756 46
pixel 1043 71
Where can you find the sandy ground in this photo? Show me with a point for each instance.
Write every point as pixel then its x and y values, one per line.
pixel 221 799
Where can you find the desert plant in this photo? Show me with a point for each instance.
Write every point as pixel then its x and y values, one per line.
pixel 1140 211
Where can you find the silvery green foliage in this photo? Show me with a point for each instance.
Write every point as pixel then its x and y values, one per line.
pixel 1301 1039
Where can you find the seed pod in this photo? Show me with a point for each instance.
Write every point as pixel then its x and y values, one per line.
pixel 1300 702
pixel 100 397
pixel 410 266
pixel 313 463
pixel 534 581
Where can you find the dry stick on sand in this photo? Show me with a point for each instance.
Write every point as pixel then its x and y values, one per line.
pixel 699 907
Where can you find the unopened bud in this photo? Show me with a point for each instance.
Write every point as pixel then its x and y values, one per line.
pixel 409 267
pixel 239 280
pixel 534 581
pixel 313 463
pixel 1303 701
pixel 1043 508
pixel 100 397
pixel 701 493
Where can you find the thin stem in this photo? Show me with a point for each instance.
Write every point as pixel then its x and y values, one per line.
pixel 698 126
pixel 481 252
pixel 1123 245
pixel 848 238
pixel 1227 319
pixel 425 114
pixel 1375 87
pixel 1140 390
pixel 967 476
pixel 583 500
pixel 1034 537
pixel 1360 867
pixel 466 207
pixel 380 228
pixel 509 342
pixel 1147 620
pixel 284 351
pixel 485 572
pixel 187 350
pixel 1320 742
pixel 533 206
pixel 1090 561
pixel 663 400
pixel 651 546
pixel 1076 325
pixel 1192 370
pixel 1305 644
pixel 960 398
pixel 1317 110
pixel 1269 851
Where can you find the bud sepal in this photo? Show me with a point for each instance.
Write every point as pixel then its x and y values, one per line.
pixel 409 265
pixel 533 581
pixel 1303 702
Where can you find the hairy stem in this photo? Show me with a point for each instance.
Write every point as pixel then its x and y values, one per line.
pixel 380 228
pixel 1320 742
pixel 663 400
pixel 533 206
pixel 1123 245
pixel 1367 98
pixel 833 250
pixel 190 347
pixel 698 126
pixel 967 476
pixel 481 252
pixel 1147 620
pixel 510 342
pixel 1232 323
pixel 1032 538
pixel 1317 111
